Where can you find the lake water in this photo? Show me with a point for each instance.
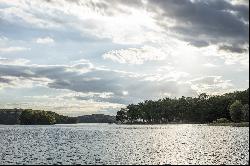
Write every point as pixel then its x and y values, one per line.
pixel 124 144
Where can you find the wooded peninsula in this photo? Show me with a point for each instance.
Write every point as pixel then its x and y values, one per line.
pixel 40 117
pixel 230 107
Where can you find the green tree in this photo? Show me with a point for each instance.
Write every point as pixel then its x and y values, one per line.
pixel 133 112
pixel 245 113
pixel 236 111
pixel 26 117
pixel 121 115
pixel 33 117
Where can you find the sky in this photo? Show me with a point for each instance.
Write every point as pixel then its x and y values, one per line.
pixel 78 57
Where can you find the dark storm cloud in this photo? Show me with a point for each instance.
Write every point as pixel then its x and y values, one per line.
pixel 198 22
pixel 98 81
pixel 5 80
pixel 233 48
pixel 214 21
pixel 199 43
pixel 64 79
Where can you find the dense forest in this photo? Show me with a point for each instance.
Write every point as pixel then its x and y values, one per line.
pixel 33 117
pixel 10 116
pixel 202 109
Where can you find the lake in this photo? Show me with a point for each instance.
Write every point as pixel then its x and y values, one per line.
pixel 124 144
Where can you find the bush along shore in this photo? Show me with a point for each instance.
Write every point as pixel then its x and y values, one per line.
pixel 229 109
pixel 226 122
pixel 241 124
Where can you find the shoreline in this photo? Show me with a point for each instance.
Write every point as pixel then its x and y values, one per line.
pixel 242 124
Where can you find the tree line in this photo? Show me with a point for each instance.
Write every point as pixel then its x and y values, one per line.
pixel 33 117
pixel 202 109
pixel 40 117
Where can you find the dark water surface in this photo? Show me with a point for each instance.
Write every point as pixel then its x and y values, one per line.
pixel 124 144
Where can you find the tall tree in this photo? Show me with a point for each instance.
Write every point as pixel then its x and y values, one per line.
pixel 236 111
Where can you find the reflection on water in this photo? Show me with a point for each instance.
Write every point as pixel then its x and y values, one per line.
pixel 124 144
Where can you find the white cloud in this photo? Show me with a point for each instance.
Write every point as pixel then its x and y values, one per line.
pixel 171 75
pixel 214 85
pixel 22 82
pixel 67 94
pixel 9 46
pixel 21 12
pixel 209 65
pixel 135 55
pixel 81 66
pixel 135 25
pixel 6 61
pixel 240 2
pixel 13 49
pixel 45 40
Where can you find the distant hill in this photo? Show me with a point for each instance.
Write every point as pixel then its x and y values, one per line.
pixel 96 118
pixel 10 116
pixel 32 117
pixel 38 117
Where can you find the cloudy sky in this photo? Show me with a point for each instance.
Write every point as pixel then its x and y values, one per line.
pixel 80 57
